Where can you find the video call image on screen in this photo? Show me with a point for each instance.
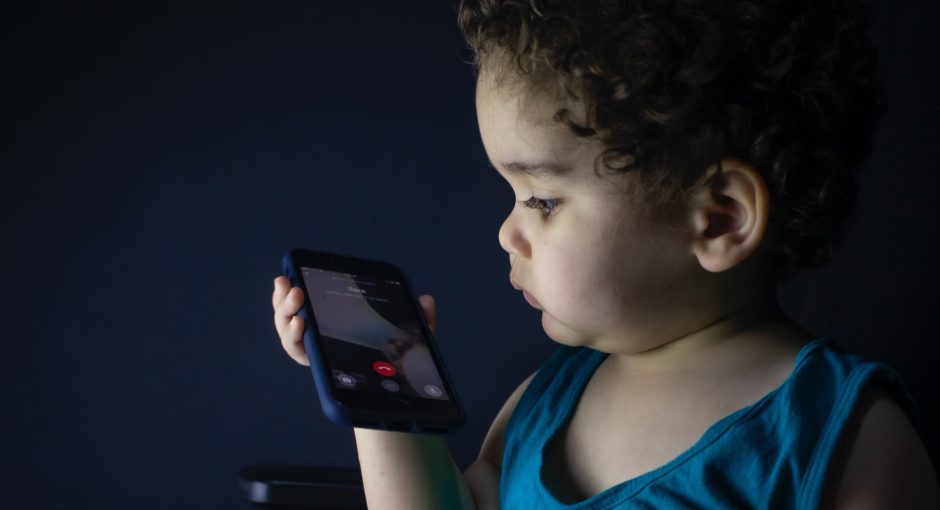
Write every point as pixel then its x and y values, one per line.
pixel 370 336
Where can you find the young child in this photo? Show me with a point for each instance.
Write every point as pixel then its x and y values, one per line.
pixel 672 161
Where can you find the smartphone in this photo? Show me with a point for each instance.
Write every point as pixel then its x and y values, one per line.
pixel 372 355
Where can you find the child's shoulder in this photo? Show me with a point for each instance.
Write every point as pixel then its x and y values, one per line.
pixel 880 462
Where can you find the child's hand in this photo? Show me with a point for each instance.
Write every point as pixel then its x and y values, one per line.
pixel 287 302
pixel 290 327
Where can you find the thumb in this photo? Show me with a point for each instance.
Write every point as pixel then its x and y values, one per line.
pixel 430 310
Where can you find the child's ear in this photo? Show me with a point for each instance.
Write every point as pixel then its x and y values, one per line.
pixel 729 210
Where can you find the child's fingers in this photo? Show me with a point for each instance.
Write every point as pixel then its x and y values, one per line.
pixel 281 311
pixel 281 287
pixel 286 305
pixel 430 311
pixel 283 318
pixel 289 326
pixel 294 343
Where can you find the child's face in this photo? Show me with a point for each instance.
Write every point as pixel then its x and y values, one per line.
pixel 602 276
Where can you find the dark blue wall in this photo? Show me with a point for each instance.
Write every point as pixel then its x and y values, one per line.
pixel 158 161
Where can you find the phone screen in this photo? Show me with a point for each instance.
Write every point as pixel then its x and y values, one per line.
pixel 371 335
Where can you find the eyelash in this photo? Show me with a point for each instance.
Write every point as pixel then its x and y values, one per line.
pixel 545 205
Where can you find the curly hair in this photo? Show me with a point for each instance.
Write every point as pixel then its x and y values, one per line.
pixel 671 88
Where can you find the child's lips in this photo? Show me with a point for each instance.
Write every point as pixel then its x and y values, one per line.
pixel 528 297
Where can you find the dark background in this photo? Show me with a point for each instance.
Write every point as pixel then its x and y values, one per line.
pixel 158 160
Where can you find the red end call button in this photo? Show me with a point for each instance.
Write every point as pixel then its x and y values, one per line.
pixel 384 368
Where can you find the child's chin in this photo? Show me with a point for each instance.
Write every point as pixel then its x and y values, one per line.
pixel 561 333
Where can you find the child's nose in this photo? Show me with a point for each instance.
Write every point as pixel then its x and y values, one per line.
pixel 511 238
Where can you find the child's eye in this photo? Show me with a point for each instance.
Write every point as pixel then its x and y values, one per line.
pixel 545 205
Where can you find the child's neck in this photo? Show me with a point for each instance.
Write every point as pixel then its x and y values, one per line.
pixel 760 329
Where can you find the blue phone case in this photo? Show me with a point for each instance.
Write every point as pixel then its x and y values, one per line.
pixel 317 365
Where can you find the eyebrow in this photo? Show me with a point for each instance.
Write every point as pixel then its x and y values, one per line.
pixel 538 170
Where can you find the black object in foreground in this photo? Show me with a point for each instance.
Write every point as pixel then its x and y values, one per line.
pixel 300 486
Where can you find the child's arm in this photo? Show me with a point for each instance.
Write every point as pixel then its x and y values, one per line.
pixel 880 462
pixel 401 470
pixel 483 475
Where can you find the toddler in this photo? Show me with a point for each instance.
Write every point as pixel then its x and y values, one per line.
pixel 672 161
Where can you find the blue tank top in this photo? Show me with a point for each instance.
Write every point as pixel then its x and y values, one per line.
pixel 771 454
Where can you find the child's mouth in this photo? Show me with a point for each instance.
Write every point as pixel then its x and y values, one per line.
pixel 528 297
